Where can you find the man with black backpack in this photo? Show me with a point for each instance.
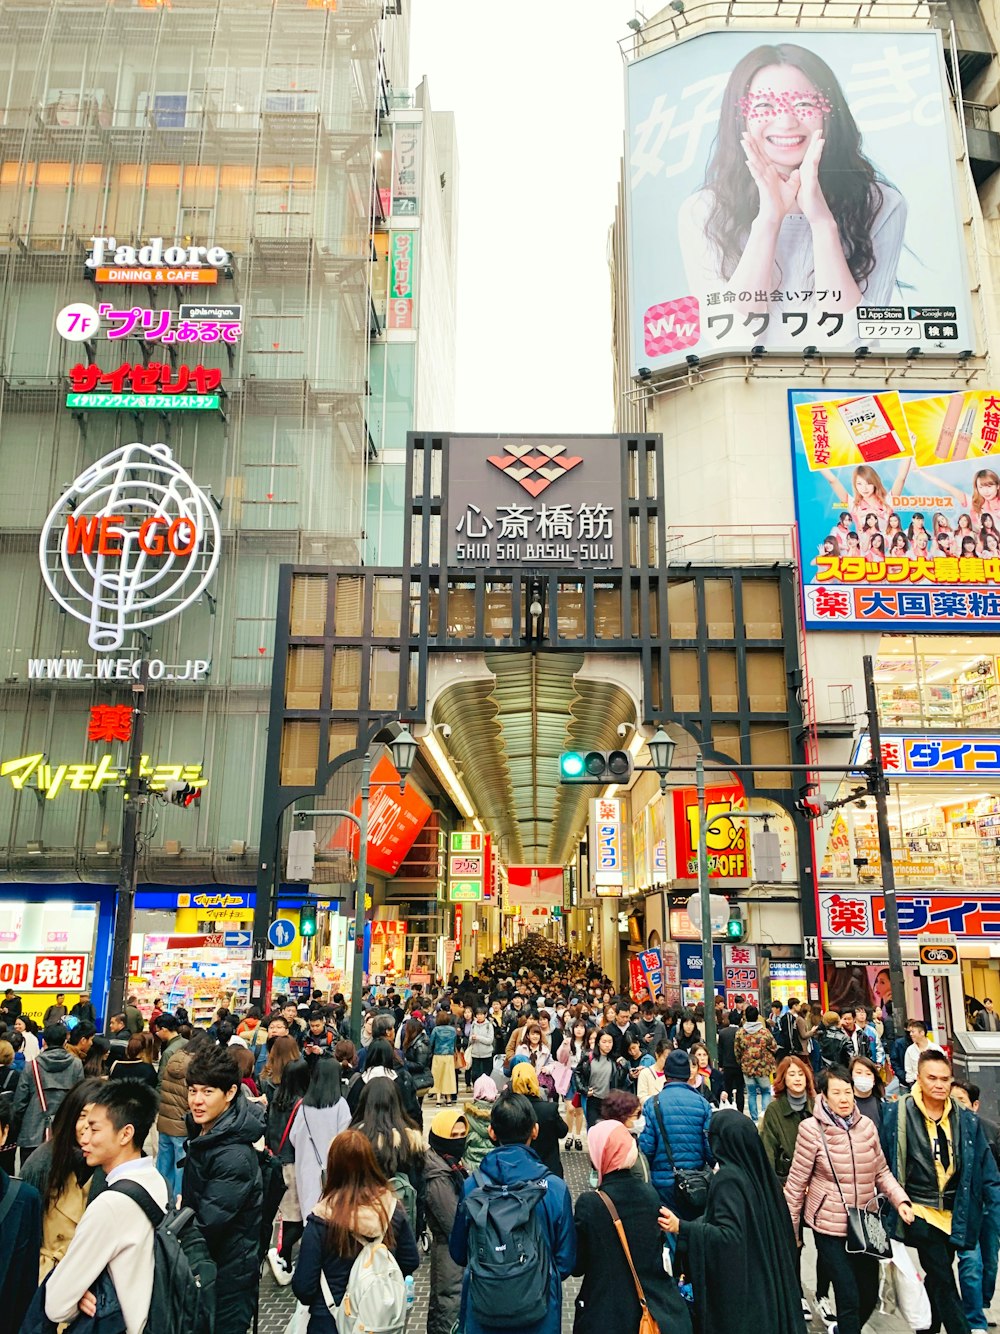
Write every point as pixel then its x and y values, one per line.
pixel 114 1235
pixel 514 1230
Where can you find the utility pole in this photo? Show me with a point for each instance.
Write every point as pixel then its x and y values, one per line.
pixel 879 788
pixel 134 800
pixel 357 972
pixel 705 900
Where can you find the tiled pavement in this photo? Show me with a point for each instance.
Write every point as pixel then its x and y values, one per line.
pixel 278 1304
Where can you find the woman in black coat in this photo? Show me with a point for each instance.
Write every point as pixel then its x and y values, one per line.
pixel 551 1127
pixel 608 1299
pixel 740 1255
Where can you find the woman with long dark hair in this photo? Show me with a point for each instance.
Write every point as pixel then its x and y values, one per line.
pixel 790 201
pixel 397 1143
pixel 284 1100
pixel 323 1115
pixel 357 1206
pixel 58 1170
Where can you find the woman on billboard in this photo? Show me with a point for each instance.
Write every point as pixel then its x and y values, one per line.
pixel 790 201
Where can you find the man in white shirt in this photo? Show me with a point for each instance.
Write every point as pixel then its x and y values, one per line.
pixel 919 1042
pixel 114 1233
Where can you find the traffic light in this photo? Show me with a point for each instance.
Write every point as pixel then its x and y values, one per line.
pixel 595 766
pixel 307 919
pixel 813 807
pixel 734 927
pixel 182 794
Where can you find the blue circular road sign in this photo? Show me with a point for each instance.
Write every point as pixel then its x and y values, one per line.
pixel 281 933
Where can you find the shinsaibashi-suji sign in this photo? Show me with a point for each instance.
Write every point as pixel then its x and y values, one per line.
pixel 544 499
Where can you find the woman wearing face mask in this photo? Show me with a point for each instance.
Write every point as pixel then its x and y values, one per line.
pixel 868 1090
pixel 839 1163
pixel 620 1105
pixel 444 1178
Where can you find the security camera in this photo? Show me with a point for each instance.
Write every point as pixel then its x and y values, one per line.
pixel 446 731
pixel 624 729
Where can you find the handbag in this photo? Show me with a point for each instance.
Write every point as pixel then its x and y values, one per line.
pixel 647 1325
pixel 42 1101
pixel 866 1234
pixel 690 1183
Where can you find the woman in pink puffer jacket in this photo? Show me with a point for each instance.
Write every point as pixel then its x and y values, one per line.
pixel 838 1139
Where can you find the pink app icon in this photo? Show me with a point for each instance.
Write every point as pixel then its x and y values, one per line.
pixel 672 326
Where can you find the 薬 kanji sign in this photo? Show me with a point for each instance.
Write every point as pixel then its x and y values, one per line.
pixel 948 754
pixel 856 915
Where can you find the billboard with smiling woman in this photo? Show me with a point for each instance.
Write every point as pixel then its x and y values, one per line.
pixel 791 190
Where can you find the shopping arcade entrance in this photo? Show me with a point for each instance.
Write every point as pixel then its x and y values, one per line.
pixel 552 642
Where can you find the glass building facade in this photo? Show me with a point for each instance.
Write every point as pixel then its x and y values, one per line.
pixel 266 129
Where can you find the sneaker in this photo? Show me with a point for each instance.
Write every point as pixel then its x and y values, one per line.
pixel 806 1311
pixel 282 1274
pixel 826 1311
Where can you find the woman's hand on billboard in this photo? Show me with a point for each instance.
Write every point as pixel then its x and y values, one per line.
pixel 812 200
pixel 777 195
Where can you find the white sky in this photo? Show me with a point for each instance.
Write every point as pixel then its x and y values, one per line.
pixel 537 87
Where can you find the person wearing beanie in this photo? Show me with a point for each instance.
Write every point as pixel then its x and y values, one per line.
pixel 675 1133
pixel 444 1179
pixel 477 1115
pixel 551 1126
pixel 608 1298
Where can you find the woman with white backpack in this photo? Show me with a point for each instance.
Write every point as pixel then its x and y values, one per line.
pixel 357 1218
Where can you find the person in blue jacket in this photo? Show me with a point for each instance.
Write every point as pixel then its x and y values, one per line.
pixel 513 1127
pixel 685 1115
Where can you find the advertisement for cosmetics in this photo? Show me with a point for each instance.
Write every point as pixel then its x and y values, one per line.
pixel 793 191
pixel 897 496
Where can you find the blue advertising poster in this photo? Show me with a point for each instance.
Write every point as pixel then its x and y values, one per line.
pixel 897 496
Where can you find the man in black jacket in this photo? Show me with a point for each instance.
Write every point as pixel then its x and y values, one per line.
pixel 10 1009
pixel 222 1182
pixel 732 1072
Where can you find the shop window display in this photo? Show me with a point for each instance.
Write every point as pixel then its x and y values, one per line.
pixel 938 683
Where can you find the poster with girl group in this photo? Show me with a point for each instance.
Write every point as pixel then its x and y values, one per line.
pixel 897 497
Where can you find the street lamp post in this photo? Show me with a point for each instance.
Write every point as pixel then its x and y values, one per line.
pixel 403 749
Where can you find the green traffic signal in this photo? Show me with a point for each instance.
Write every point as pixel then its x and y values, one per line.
pixel 734 928
pixel 307 919
pixel 595 766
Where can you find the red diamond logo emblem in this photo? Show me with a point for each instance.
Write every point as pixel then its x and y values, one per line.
pixel 535 467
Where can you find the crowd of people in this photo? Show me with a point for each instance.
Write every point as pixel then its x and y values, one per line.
pixel 272 1142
